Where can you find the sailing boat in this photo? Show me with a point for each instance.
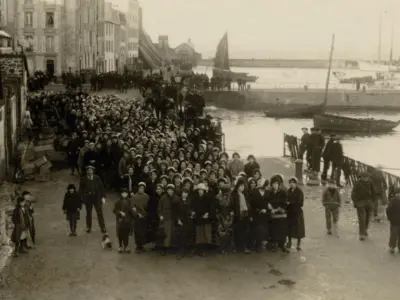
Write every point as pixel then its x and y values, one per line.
pixel 282 111
pixel 221 64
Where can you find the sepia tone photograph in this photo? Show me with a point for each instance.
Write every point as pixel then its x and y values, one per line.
pixel 199 149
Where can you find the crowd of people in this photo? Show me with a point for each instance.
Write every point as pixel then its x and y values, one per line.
pixel 177 186
pixel 178 189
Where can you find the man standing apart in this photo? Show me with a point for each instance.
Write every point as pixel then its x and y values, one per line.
pixel 92 190
pixel 363 194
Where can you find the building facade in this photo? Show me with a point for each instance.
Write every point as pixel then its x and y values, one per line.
pixel 121 44
pixel 3 14
pixel 59 35
pixel 133 33
pixel 111 38
pixel 187 54
pixel 86 14
pixel 38 29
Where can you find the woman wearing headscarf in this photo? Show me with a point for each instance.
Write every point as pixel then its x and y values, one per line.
pixel 261 213
pixel 202 208
pixel 140 205
pixel 295 216
pixel 278 201
pixel 124 216
pixel 165 216
pixel 235 166
pixel 224 209
pixel 242 216
pixel 251 166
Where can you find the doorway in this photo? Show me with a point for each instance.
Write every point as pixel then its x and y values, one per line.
pixel 50 67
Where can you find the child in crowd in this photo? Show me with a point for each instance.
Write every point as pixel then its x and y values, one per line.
pixel 72 205
pixel 331 200
pixel 393 215
pixel 30 211
pixel 21 220
pixel 124 216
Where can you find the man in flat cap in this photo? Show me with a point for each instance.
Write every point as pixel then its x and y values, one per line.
pixel 363 194
pixel 92 190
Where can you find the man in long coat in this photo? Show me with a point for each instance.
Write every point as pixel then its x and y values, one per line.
pixel 92 190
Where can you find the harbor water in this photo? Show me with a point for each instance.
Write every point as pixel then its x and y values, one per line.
pixel 295 77
pixel 253 133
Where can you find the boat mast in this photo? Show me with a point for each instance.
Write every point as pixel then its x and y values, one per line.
pixel 329 71
pixel 391 48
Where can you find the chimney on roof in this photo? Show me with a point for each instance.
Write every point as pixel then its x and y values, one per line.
pixel 163 41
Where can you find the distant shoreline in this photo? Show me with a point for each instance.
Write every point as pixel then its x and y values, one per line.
pixel 284 63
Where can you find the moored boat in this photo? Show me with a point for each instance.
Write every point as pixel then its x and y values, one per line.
pixel 282 111
pixel 340 124
pixel 305 112
pixel 221 64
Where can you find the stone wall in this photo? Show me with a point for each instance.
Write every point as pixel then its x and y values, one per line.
pixel 6 194
pixel 337 99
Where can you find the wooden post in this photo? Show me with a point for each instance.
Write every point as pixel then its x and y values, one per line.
pixel 284 148
pixel 299 171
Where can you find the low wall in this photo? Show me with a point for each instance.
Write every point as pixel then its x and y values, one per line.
pixel 337 99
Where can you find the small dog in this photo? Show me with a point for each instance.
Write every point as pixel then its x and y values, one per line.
pixel 105 242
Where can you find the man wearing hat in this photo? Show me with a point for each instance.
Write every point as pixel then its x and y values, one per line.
pixel 327 156
pixel 304 143
pixel 331 200
pixel 317 141
pixel 92 191
pixel 363 194
pixel 393 214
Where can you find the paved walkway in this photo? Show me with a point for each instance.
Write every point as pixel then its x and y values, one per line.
pixel 66 268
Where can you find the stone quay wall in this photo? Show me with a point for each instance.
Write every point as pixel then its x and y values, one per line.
pixel 337 99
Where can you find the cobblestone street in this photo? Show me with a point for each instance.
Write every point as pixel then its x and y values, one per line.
pixel 65 268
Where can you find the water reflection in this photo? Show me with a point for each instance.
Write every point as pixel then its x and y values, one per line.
pixel 252 132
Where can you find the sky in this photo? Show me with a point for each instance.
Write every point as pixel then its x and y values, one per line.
pixel 297 29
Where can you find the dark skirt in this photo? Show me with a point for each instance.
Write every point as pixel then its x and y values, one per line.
pixel 72 216
pixel 140 231
pixel 296 226
pixel 261 228
pixel 203 234
pixel 153 224
pixel 278 230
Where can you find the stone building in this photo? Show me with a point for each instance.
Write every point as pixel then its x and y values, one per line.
pixel 111 33
pixel 37 28
pixel 13 78
pixel 121 45
pixel 187 54
pixel 132 19
pixel 87 31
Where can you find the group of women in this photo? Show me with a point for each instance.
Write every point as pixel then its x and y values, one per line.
pixel 182 190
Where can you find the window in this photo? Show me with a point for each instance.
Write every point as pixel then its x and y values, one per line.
pixel 49 20
pixel 29 43
pixel 28 19
pixel 50 44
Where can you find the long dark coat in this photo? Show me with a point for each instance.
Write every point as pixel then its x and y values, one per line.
pixel 295 216
pixel 88 195
pixel 72 204
pixel 278 225
pixel 123 222
pixel 21 220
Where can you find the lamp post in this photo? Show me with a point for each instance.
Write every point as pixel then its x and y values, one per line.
pixel 177 79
